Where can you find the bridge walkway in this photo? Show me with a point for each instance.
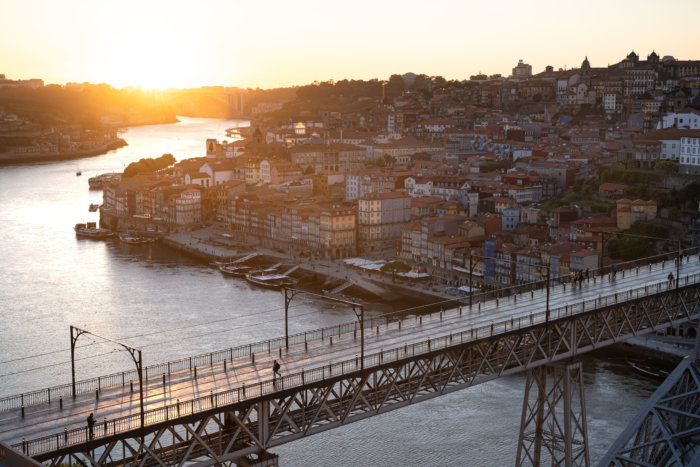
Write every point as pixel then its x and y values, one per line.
pixel 118 401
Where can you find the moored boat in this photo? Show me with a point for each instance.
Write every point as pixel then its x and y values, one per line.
pixel 649 370
pixel 135 239
pixel 90 230
pixel 218 264
pixel 270 281
pixel 236 271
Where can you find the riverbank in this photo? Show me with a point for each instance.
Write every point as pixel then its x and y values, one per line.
pixel 7 158
pixel 668 350
pixel 322 276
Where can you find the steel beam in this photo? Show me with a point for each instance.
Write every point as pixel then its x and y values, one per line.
pixel 667 429
pixel 221 432
pixel 553 426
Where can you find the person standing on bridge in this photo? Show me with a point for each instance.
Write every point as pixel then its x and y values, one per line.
pixel 670 278
pixel 91 425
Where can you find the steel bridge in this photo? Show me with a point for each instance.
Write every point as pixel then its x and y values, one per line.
pixel 226 406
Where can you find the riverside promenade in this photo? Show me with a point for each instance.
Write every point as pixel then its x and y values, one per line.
pixel 207 245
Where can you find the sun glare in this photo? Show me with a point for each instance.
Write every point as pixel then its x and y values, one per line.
pixel 152 55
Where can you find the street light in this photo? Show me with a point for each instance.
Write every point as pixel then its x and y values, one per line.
pixel 290 293
pixel 134 352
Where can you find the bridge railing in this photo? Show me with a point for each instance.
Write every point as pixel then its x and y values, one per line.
pixel 89 386
pixel 244 393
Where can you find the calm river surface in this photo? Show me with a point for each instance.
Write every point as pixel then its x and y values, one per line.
pixel 173 306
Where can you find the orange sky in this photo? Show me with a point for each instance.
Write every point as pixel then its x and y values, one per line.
pixel 269 44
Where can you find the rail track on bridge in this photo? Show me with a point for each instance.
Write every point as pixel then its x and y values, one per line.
pixel 222 406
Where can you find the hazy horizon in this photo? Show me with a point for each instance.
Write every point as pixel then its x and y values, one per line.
pixel 157 46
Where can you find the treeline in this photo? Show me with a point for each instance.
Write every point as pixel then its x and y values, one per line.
pixel 351 90
pixel 151 165
pixel 629 248
pixel 620 174
pixel 83 104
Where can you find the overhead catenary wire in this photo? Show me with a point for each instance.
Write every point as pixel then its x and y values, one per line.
pixel 28 370
pixel 271 310
pixel 164 342
pixel 162 331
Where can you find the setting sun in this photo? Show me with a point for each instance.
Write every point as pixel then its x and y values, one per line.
pixel 162 44
pixel 152 59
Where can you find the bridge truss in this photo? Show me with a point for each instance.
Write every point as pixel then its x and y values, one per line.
pixel 225 428
pixel 667 430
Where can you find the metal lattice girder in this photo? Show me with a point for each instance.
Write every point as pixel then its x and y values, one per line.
pixel 667 429
pixel 553 425
pixel 262 421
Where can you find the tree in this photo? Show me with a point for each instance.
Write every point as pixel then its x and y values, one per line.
pixel 309 170
pixel 630 248
pixel 491 166
pixel 667 166
pixel 395 87
pixel 422 81
pixel 144 166
pixel 427 93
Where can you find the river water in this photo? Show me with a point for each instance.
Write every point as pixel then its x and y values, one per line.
pixel 173 306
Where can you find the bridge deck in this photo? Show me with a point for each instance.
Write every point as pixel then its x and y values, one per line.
pixel 116 402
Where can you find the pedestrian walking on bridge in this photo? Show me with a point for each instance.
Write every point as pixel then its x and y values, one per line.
pixel 91 425
pixel 275 369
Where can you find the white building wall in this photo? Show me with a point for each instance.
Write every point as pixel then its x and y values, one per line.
pixel 690 155
pixel 680 120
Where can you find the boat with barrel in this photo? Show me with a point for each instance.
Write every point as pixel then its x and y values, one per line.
pixel 90 230
pixel 271 281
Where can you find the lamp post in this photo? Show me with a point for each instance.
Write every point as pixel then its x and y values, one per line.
pixel 290 293
pixel 471 290
pixel 546 316
pixel 135 353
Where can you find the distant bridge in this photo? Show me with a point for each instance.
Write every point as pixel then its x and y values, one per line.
pixel 220 407
pixel 234 101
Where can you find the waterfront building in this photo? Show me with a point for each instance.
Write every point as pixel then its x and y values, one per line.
pixel 337 231
pixel 185 208
pixel 380 219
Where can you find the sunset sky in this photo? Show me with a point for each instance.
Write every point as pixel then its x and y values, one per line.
pixel 270 44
